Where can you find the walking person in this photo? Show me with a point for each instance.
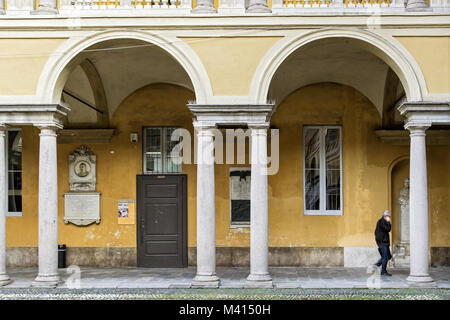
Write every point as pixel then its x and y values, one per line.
pixel 383 241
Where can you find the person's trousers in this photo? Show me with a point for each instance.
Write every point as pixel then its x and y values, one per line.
pixel 385 256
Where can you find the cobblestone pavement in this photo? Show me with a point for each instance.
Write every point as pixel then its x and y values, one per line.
pixel 231 278
pixel 223 294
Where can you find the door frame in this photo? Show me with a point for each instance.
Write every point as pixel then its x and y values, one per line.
pixel 139 207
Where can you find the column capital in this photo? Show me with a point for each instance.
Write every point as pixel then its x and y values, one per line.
pixel 204 125
pixel 417 127
pixel 3 128
pixel 48 127
pixel 256 126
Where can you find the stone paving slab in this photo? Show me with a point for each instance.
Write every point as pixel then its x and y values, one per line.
pixel 233 277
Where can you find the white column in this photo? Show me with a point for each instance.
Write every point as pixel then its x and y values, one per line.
pixel 418 205
pixel 204 6
pixel 46 7
pixel 258 6
pixel 259 212
pixel 48 209
pixel 4 278
pixel 206 216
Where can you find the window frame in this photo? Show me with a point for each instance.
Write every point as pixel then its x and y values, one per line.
pixel 163 148
pixel 322 207
pixel 238 224
pixel 11 213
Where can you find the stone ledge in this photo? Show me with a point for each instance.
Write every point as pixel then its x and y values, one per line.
pixel 82 136
pixel 401 137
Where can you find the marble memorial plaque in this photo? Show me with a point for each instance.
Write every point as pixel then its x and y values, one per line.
pixel 82 208
pixel 82 202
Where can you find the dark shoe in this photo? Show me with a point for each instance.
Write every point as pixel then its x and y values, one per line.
pixel 386 274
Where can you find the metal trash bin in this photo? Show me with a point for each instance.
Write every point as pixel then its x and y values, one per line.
pixel 61 256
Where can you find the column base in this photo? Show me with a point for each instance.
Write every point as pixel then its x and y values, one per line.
pixel 259 281
pixel 43 11
pixel 258 8
pixel 46 281
pixel 4 279
pixel 205 281
pixel 425 280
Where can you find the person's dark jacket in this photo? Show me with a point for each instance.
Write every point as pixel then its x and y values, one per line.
pixel 382 232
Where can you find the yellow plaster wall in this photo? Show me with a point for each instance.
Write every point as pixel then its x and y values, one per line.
pixel 433 56
pixel 365 172
pixel 21 57
pixel 439 195
pixel 231 62
pixel 118 163
pixel 365 165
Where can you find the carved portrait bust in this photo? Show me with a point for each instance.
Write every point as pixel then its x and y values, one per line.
pixel 82 169
pixel 82 165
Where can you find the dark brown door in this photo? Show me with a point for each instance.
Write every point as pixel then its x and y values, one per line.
pixel 162 221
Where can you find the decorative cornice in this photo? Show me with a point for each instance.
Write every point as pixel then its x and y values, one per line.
pixel 215 108
pixel 401 137
pixel 29 108
pixel 438 107
pixel 424 113
pixel 303 18
pixel 85 135
pixel 43 116
pixel 248 115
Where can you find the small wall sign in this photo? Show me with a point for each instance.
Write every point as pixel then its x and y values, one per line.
pixel 126 212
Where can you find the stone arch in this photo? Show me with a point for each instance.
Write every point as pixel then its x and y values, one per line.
pixel 57 68
pixel 98 94
pixel 388 50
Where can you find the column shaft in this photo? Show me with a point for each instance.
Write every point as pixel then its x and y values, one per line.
pixel 206 225
pixel 4 278
pixel 48 210
pixel 418 206
pixel 259 218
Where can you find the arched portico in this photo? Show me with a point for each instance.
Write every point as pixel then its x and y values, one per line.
pixel 57 68
pixel 52 82
pixel 388 50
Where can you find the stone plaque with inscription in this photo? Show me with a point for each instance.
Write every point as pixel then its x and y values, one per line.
pixel 82 208
pixel 82 202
